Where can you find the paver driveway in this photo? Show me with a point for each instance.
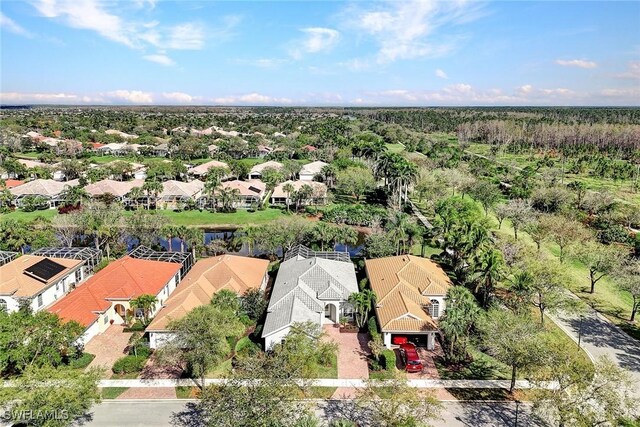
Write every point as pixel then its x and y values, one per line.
pixel 352 358
pixel 108 347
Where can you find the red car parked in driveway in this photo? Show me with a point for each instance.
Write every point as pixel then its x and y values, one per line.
pixel 412 361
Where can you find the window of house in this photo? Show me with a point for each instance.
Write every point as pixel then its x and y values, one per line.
pixel 40 300
pixel 347 310
pixel 78 275
pixel 3 305
pixel 106 319
pixel 57 286
pixel 434 308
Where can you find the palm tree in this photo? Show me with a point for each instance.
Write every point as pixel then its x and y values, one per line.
pixel 249 236
pixel 152 188
pixel 169 231
pixel 490 272
pixel 328 174
pixel 211 187
pixel 182 232
pixel 229 197
pixel 456 322
pixel 362 302
pixel 324 232
pixel 146 303
pixel 136 194
pixel 195 240
pixel 288 189
pixel 73 195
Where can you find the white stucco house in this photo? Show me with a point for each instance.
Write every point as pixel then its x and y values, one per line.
pixel 37 281
pixel 310 287
pixel 310 170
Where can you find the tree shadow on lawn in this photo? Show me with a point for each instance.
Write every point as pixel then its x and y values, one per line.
pixel 476 369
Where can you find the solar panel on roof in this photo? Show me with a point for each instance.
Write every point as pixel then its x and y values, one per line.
pixel 44 270
pixel 254 189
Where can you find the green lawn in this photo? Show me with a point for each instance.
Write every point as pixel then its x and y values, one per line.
pixel 29 216
pixel 607 299
pixel 112 392
pixel 482 367
pixel 395 148
pixel 208 219
pixel 220 371
pixel 329 371
pixel 183 392
pixel 252 161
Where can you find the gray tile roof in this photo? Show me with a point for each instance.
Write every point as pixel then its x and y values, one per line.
pixel 302 286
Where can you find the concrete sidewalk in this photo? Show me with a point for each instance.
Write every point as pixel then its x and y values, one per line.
pixel 336 382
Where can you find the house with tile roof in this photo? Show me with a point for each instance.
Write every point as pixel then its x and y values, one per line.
pixel 208 276
pixel 106 297
pixel 311 286
pixel 37 281
pixel 109 186
pixel 318 194
pixel 256 171
pixel 174 192
pixel 50 190
pixel 310 170
pixel 410 293
pixel 251 192
pixel 202 170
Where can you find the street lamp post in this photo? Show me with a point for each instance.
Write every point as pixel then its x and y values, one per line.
pixel 517 410
pixel 580 330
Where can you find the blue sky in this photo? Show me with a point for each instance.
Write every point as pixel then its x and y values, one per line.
pixel 352 53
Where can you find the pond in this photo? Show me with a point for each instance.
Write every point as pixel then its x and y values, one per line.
pixel 229 237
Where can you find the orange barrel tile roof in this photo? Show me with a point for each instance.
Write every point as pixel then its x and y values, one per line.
pixel 208 276
pixel 125 278
pixel 403 286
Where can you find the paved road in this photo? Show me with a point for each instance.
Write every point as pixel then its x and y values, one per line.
pixel 160 413
pixel 599 337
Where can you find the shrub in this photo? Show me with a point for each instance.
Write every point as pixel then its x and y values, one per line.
pixel 246 347
pixel 389 357
pixel 140 350
pixel 372 326
pixel 129 364
pixel 82 361
pixel 138 326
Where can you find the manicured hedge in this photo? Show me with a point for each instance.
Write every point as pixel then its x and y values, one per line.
pixel 82 361
pixel 364 215
pixel 389 357
pixel 372 325
pixel 246 346
pixel 129 364
pixel 140 350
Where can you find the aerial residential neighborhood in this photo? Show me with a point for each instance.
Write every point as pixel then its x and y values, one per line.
pixel 319 214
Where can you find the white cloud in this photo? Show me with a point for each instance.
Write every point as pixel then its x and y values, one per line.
pixel 252 99
pixel 633 71
pixel 356 64
pixel 47 98
pixel 580 63
pixel 12 26
pixel 179 97
pixel 188 36
pixel 316 40
pixel 441 74
pixel 159 59
pixel 133 96
pixel 465 94
pixel 408 29
pixel 100 17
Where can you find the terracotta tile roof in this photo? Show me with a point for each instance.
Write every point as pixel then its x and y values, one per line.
pixel 403 286
pixel 252 187
pixel 181 189
pixel 42 187
pixel 14 282
pixel 319 189
pixel 204 168
pixel 117 188
pixel 262 166
pixel 208 276
pixel 126 278
pixel 10 183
